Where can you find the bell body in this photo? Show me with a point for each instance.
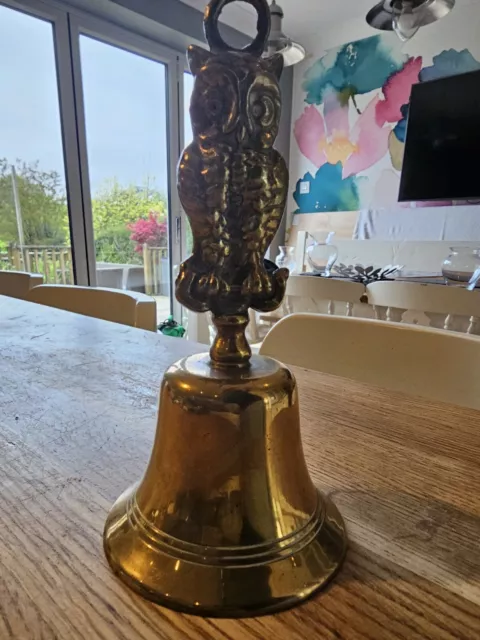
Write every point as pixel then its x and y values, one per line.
pixel 226 521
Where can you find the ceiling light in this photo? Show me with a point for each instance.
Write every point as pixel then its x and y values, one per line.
pixel 405 17
pixel 405 21
pixel 278 42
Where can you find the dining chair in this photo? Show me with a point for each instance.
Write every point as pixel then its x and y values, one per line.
pixel 443 307
pixel 324 295
pixel 17 284
pixel 437 364
pixel 125 307
pixel 314 294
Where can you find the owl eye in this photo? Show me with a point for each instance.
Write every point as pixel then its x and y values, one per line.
pixel 263 111
pixel 258 109
pixel 214 107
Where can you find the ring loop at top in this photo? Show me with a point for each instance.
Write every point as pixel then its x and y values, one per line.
pixel 217 43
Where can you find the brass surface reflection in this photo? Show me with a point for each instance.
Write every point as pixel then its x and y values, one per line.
pixel 226 520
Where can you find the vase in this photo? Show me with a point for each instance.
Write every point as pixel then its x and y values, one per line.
pixel 322 254
pixel 286 258
pixel 460 263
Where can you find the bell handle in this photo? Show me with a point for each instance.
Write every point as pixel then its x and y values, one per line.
pixel 217 43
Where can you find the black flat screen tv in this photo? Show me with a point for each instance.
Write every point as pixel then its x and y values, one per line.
pixel 442 146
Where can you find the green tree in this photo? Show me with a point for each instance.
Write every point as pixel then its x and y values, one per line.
pixel 113 244
pixel 42 202
pixel 45 215
pixel 115 205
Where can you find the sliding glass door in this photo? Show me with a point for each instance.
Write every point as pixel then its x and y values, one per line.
pixel 89 142
pixel 127 148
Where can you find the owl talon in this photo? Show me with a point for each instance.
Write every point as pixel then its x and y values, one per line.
pixel 258 284
pixel 208 285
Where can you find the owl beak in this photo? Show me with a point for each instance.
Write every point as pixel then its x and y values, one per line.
pixel 242 133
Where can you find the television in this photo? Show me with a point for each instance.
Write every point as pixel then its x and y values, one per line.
pixel 442 148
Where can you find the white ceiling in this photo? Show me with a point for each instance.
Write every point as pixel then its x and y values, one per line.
pixel 309 22
pixel 303 18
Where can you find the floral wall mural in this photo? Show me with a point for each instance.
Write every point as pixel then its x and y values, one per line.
pixel 352 125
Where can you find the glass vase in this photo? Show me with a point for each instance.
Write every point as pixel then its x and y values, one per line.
pixel 322 254
pixel 460 263
pixel 286 258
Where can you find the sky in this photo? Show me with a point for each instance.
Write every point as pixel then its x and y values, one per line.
pixel 124 97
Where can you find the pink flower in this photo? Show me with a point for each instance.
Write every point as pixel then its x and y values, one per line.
pixel 370 140
pixel 324 138
pixel 148 231
pixel 397 92
pixel 329 137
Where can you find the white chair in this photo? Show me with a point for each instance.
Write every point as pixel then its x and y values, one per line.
pixel 17 284
pixel 125 307
pixel 436 364
pixel 445 307
pixel 314 294
pixel 324 295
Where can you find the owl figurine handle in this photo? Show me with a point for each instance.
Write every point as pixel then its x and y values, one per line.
pixel 232 184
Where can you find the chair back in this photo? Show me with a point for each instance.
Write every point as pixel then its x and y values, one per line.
pixel 17 284
pixel 432 363
pixel 324 295
pixel 442 306
pixel 125 307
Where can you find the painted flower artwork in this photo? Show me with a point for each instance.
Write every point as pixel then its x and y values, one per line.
pixel 349 71
pixel 352 129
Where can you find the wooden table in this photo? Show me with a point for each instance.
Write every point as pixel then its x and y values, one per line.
pixel 77 418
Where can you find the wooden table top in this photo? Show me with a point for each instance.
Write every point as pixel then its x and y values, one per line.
pixel 77 418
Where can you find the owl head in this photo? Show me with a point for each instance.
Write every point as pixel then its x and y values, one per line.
pixel 235 98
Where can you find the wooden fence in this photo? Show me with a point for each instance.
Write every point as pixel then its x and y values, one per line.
pixel 56 266
pixel 156 273
pixel 54 263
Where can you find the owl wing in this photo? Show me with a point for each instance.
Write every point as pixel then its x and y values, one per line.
pixel 192 192
pixel 265 193
pixel 276 198
pixel 265 199
pixel 202 187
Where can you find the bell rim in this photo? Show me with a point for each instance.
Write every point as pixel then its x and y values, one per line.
pixel 316 563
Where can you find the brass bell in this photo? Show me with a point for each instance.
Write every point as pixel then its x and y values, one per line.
pixel 226 520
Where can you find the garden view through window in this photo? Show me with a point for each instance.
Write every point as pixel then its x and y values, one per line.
pixel 34 225
pixel 110 140
pixel 126 130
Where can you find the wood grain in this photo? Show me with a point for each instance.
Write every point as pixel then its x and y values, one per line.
pixel 77 417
